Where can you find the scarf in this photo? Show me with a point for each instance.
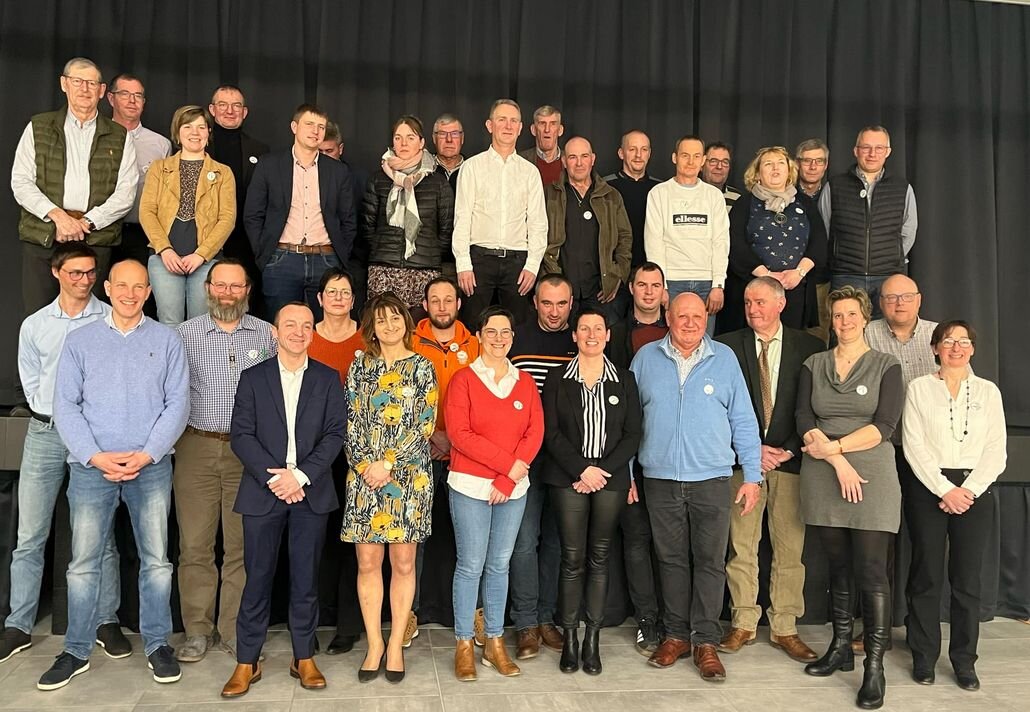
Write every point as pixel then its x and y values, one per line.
pixel 775 201
pixel 401 206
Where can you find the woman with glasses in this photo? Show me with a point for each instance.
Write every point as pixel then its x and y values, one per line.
pixel 774 232
pixel 408 212
pixel 954 438
pixel 496 425
pixel 187 210
pixel 337 338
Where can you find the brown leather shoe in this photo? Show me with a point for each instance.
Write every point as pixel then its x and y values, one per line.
pixel 671 650
pixel 736 639
pixel 495 656
pixel 708 664
pixel 793 646
pixel 528 644
pixel 551 637
pixel 242 678
pixel 308 673
pixel 465 661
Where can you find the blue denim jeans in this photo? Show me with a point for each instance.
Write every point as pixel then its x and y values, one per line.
pixel 700 287
pixel 291 277
pixel 870 283
pixel 43 463
pixel 484 537
pixel 535 562
pixel 179 297
pixel 93 501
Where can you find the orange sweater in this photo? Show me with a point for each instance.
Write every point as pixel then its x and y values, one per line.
pixel 447 359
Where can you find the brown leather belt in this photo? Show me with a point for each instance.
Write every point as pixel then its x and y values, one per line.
pixel 306 249
pixel 224 437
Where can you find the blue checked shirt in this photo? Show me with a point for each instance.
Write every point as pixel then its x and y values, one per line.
pixel 216 358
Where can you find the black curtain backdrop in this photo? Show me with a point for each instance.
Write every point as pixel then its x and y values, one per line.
pixel 951 80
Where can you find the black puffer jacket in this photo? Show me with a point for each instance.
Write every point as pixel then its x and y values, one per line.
pixel 435 208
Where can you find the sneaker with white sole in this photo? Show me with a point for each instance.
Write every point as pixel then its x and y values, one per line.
pixel 65 667
pixel 166 668
pixel 113 642
pixel 12 642
pixel 410 630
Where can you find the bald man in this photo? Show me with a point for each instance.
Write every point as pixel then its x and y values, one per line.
pixel 589 238
pixel 698 421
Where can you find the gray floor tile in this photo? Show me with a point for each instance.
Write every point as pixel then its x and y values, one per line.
pixel 429 703
pixel 662 701
pixel 120 681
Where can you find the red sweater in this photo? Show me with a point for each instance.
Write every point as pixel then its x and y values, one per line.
pixel 488 434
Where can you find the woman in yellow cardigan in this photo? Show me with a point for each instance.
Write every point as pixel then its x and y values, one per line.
pixel 187 210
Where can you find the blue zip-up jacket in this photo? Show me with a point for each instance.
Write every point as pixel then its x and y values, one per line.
pixel 692 431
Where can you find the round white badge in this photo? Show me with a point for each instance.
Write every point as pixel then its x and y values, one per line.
pixel 252 354
pixel 861 390
pixel 518 405
pixel 862 194
pixel 211 175
pixel 453 346
pixel 587 215
pixel 614 400
pixel 799 211
pixel 709 389
pixel 407 391
pixel 462 357
pixel 252 159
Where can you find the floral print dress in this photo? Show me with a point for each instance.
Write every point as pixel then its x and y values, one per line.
pixel 392 415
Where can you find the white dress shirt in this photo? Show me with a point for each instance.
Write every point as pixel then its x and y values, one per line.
pixel 150 146
pixel 291 382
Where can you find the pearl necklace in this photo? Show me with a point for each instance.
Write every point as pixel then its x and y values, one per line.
pixel 951 413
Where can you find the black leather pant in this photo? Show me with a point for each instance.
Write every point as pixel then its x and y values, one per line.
pixel 586 525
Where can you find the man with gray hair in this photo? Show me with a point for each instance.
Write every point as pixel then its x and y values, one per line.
pixel 813 158
pixel 547 128
pixel 75 178
pixel 449 137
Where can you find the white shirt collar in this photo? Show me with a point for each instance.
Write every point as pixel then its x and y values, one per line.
pixel 109 319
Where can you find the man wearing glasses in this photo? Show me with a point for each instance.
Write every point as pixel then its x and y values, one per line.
pixel 716 171
pixel 75 178
pixel 449 137
pixel 813 158
pixel 219 345
pixel 871 218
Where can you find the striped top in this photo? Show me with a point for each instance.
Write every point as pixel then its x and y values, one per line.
pixel 536 351
pixel 594 412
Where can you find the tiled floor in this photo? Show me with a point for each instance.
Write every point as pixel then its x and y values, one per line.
pixel 760 679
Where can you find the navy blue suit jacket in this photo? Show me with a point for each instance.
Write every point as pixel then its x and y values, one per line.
pixel 258 434
pixel 271 193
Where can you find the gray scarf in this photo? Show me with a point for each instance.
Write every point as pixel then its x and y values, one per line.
pixel 401 206
pixel 775 201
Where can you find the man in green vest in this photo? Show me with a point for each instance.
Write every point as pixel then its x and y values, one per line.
pixel 75 178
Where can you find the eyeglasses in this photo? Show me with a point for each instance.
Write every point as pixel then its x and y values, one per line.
pixel 224 105
pixel 877 150
pixel 79 81
pixel 495 333
pixel 895 298
pixel 454 135
pixel 812 161
pixel 124 94
pixel 338 293
pixel 949 342
pixel 226 287
pixel 719 162
pixel 76 274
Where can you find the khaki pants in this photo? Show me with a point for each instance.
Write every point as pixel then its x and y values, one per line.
pixel 782 497
pixel 207 477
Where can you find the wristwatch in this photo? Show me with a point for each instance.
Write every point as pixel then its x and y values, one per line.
pixel 387 465
pixel 92 226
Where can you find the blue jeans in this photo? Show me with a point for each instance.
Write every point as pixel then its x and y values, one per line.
pixel 870 283
pixel 93 501
pixel 179 297
pixel 484 537
pixel 534 571
pixel 700 287
pixel 42 474
pixel 291 277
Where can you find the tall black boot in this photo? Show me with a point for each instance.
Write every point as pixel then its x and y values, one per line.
pixel 592 650
pixel 839 655
pixel 569 652
pixel 876 618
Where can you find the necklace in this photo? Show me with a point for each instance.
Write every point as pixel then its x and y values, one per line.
pixel 951 413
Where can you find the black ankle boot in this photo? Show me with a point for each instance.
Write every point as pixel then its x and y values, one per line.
pixel 876 619
pixel 569 652
pixel 592 651
pixel 839 655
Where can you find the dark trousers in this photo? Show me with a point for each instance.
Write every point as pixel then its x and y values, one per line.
pixel 586 525
pixel 38 285
pixel 135 246
pixel 439 481
pixel 339 573
pixel 857 556
pixel 291 277
pixel 691 526
pixel 495 274
pixel 262 535
pixel 961 538
pixel 637 556
pixel 237 246
pixel 535 561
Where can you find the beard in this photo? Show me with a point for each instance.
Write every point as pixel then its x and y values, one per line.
pixel 226 312
pixel 443 322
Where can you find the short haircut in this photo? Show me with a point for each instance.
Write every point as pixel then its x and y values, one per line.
pixel 849 292
pixel 411 121
pixel 812 144
pixel 490 312
pixel 228 262
pixel 547 110
pixel 625 136
pixel 590 311
pixel 332 132
pixel 446 118
pixel 646 267
pixel 112 86
pixel 766 281
pixel 874 129
pixel 187 114
pixel 720 144
pixel 64 251
pixel 753 171
pixel 279 312
pixel 134 261
pixel 944 328
pixel 553 279
pixel 309 109
pixel 335 273
pixel 505 102
pixel 228 87
pixel 81 62
pixel 689 137
pixel 385 303
pixel 440 280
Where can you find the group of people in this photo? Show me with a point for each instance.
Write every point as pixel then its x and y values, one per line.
pixel 556 410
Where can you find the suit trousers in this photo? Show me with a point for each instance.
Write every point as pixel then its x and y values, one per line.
pixel 262 535
pixel 500 274
pixel 781 498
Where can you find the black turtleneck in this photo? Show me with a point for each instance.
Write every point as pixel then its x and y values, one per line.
pixel 227 147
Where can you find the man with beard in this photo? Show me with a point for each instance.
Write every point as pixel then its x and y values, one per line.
pixel 219 346
pixel 450 346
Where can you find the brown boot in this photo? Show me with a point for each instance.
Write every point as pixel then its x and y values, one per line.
pixel 308 673
pixel 551 637
pixel 528 644
pixel 495 656
pixel 465 661
pixel 242 678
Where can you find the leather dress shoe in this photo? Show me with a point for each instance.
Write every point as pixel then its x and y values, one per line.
pixel 551 637
pixel 242 678
pixel 341 643
pixel 967 680
pixel 707 662
pixel 528 643
pixel 308 673
pixel 794 647
pixel 395 676
pixel 671 650
pixel 736 639
pixel 923 676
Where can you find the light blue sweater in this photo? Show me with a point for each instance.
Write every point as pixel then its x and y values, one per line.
pixel 691 431
pixel 118 393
